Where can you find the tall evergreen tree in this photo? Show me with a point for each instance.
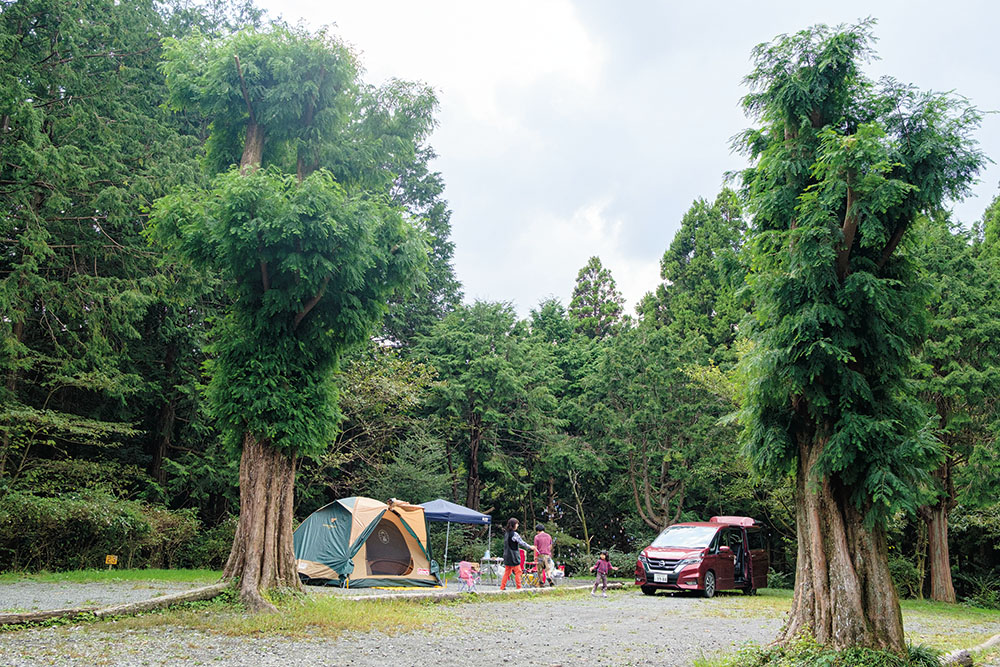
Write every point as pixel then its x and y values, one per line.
pixel 413 313
pixel 702 274
pixel 85 147
pixel 842 167
pixel 959 378
pixel 596 307
pixel 310 255
pixel 494 393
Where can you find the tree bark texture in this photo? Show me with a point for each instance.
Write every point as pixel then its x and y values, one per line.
pixel 936 517
pixel 844 593
pixel 253 148
pixel 263 557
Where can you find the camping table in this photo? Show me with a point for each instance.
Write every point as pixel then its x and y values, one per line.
pixel 489 570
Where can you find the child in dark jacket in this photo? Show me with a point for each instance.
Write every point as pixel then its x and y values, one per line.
pixel 603 567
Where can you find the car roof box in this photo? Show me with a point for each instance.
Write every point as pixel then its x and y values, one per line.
pixel 744 521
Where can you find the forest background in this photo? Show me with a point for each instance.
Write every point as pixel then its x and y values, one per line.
pixel 604 425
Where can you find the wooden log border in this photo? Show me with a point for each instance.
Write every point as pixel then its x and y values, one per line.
pixel 203 593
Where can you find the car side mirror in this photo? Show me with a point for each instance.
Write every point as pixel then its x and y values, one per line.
pixel 725 550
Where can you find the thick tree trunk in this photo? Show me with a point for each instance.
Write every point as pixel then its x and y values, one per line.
pixel 942 588
pixel 263 557
pixel 253 148
pixel 844 594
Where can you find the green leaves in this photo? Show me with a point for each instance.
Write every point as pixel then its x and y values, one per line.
pixel 843 167
pixel 596 307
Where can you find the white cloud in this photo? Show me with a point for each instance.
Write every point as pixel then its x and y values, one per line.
pixel 472 53
pixel 554 248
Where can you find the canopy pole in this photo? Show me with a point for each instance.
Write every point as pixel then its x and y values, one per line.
pixel 447 534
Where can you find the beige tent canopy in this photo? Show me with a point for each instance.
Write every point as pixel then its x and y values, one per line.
pixel 364 542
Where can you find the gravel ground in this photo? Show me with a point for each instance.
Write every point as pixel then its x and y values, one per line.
pixel 626 628
pixel 26 596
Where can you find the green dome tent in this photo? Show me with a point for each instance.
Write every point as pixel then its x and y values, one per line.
pixel 361 542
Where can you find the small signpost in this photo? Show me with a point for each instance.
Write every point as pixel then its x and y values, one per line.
pixel 110 560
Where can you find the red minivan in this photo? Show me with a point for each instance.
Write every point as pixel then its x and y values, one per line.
pixel 723 553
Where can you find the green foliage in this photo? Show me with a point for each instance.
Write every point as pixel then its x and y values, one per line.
pixel 983 590
pixel 703 275
pixel 77 530
pixel 596 307
pixel 309 259
pixel 578 562
pixel 905 576
pixel 805 652
pixel 493 402
pixel 780 580
pixel 842 167
pixel 386 447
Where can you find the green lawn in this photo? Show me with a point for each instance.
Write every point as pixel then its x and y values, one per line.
pixel 87 576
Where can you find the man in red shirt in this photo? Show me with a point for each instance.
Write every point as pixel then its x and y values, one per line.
pixel 543 547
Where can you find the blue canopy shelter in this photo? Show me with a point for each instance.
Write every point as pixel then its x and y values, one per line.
pixel 443 510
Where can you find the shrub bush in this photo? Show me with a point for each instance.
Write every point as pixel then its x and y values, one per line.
pixel 905 575
pixel 77 530
pixel 578 563
pixel 785 580
pixel 210 547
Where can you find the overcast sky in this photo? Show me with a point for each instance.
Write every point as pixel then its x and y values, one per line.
pixel 572 129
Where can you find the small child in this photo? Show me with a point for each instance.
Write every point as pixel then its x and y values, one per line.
pixel 602 568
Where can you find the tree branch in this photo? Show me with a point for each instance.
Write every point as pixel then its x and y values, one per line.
pixel 849 229
pixel 311 303
pixel 243 87
pixel 890 247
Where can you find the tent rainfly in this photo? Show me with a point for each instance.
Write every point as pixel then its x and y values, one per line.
pixel 443 510
pixel 361 542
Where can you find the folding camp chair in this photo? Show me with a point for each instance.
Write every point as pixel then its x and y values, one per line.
pixel 529 571
pixel 468 576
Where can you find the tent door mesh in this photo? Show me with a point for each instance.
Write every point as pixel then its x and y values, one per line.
pixel 386 551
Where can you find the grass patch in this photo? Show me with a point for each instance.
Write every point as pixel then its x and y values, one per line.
pixel 89 576
pixel 297 617
pixel 531 595
pixel 948 626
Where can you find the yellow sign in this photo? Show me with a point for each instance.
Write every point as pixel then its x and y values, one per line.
pixel 111 560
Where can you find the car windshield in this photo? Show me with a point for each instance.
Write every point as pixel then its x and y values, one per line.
pixel 688 537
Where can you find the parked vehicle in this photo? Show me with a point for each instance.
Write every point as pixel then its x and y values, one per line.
pixel 723 553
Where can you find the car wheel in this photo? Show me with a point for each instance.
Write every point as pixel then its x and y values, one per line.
pixel 709 589
pixel 648 590
pixel 749 590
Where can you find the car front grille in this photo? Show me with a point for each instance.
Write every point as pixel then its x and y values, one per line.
pixel 662 563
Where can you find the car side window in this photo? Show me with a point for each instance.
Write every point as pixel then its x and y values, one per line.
pixel 755 539
pixel 734 539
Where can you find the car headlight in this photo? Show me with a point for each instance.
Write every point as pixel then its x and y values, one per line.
pixel 687 561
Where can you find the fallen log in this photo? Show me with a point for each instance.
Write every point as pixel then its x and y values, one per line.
pixel 203 593
pixel 36 616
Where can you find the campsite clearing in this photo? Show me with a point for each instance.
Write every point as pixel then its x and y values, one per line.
pixel 565 628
